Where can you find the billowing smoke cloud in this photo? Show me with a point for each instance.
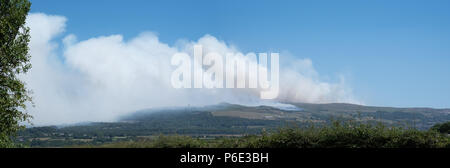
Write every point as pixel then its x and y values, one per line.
pixel 105 77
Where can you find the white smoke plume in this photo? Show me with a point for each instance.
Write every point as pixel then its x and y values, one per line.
pixel 105 77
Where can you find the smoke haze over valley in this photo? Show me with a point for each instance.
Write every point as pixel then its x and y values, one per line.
pixel 105 77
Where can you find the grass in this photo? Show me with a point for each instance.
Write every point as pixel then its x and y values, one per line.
pixel 336 135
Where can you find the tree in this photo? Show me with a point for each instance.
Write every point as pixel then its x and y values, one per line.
pixel 14 60
pixel 442 127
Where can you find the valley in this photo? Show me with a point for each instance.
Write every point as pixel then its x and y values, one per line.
pixel 225 120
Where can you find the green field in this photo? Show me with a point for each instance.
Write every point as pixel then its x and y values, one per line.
pixel 336 135
pixel 221 125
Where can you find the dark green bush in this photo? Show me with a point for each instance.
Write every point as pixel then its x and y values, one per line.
pixel 351 135
pixel 442 127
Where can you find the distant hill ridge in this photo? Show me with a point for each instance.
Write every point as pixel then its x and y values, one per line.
pixel 227 119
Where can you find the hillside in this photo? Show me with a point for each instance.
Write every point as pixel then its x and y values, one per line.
pixel 224 120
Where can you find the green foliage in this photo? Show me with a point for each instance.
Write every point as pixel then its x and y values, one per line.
pixel 167 123
pixel 337 135
pixel 351 135
pixel 175 141
pixel 14 60
pixel 141 130
pixel 442 127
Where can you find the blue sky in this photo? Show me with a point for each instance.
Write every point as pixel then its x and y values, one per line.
pixel 393 53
